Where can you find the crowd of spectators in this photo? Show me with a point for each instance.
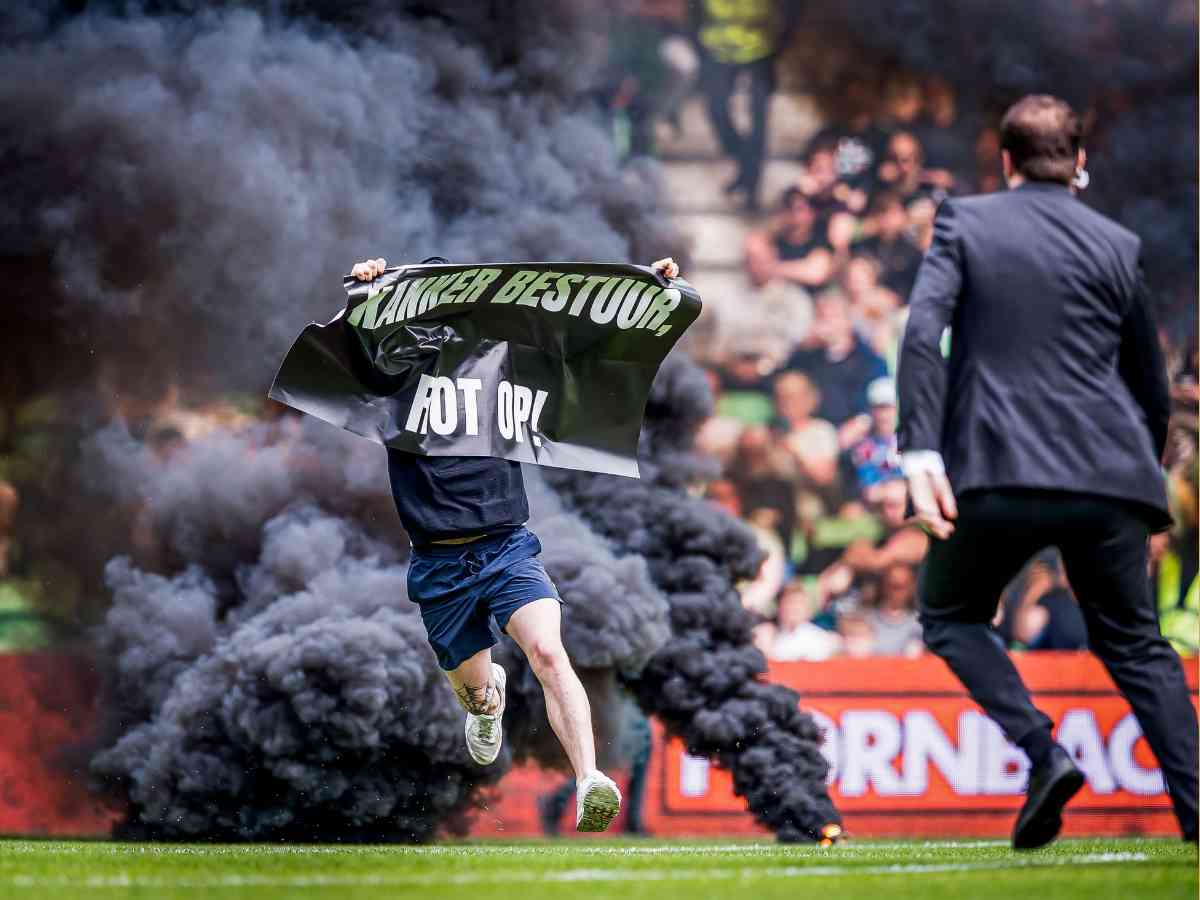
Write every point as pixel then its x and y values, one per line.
pixel 805 422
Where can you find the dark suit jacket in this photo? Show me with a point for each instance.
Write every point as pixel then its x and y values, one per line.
pixel 1055 378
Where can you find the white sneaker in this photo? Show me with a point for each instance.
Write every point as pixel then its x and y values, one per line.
pixel 597 802
pixel 484 734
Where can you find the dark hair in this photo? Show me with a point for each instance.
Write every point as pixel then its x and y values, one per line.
pixel 790 195
pixel 884 201
pixel 908 136
pixel 818 147
pixel 435 261
pixel 1042 135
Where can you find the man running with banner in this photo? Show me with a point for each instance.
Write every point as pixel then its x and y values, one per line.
pixel 463 372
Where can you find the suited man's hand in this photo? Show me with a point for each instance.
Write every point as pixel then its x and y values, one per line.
pixel 934 508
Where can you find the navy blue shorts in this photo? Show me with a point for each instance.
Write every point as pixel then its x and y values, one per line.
pixel 468 592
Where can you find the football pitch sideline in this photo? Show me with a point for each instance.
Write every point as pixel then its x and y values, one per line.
pixel 695 870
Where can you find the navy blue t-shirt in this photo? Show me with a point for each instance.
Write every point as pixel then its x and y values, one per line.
pixel 441 497
pixel 842 383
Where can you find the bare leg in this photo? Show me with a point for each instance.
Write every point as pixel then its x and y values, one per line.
pixel 536 629
pixel 474 684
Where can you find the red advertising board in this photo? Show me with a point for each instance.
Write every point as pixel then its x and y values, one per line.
pixel 911 754
pixel 47 719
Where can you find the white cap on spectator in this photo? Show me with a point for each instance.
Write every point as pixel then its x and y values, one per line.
pixel 881 392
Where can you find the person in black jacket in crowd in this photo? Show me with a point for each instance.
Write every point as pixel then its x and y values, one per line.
pixel 1045 427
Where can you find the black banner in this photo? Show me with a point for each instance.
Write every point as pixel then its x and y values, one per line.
pixel 548 363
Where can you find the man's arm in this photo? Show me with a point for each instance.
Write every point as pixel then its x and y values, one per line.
pixel 761 257
pixel 921 378
pixel 1142 367
pixel 908 546
pixel 810 271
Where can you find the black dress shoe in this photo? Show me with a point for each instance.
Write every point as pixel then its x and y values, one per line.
pixel 1051 786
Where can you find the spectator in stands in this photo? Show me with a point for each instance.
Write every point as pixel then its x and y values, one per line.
pixel 873 307
pixel 741 40
pixel 812 442
pixel 819 180
pixel 900 542
pixel 988 168
pixel 761 593
pixel 903 101
pixel 920 217
pixel 903 169
pixel 1174 574
pixel 889 244
pixel 895 630
pixel 763 473
pixel 1043 613
pixel 837 360
pixel 722 493
pixel 791 247
pixel 745 370
pixel 858 639
pixel 859 142
pixel 796 637
pixel 871 457
pixel 718 436
pixel 947 157
pixel 840 233
pixel 1185 389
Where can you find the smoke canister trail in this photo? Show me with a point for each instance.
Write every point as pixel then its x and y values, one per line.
pixel 704 684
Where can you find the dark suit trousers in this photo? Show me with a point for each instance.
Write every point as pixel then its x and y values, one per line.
pixel 1103 545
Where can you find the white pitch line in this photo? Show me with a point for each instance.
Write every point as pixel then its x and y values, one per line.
pixel 586 875
pixel 488 850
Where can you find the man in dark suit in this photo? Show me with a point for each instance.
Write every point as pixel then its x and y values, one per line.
pixel 1045 427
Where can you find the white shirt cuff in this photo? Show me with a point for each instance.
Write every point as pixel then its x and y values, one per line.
pixel 927 462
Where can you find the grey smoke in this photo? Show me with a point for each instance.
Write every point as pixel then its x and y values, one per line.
pixel 156 628
pixel 321 715
pixel 293 695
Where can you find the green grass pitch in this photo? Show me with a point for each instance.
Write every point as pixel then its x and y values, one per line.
pixel 695 870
